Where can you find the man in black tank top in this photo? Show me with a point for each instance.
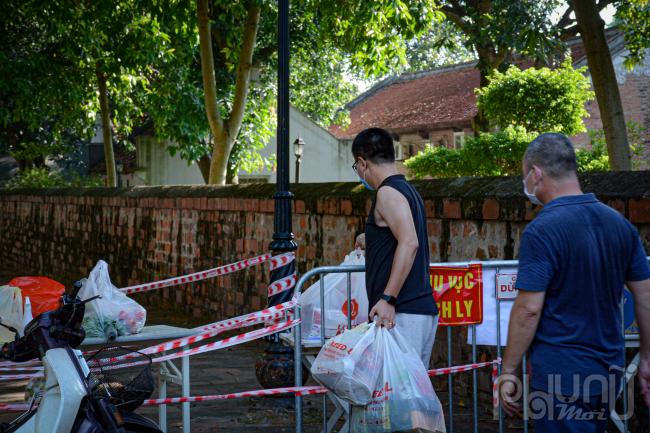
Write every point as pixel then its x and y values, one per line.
pixel 397 247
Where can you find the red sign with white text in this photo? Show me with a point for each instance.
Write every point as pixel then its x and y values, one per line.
pixel 458 291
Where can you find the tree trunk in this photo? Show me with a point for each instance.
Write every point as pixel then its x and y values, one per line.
pixel 204 166
pixel 109 157
pixel 219 162
pixel 225 132
pixel 603 76
pixel 480 123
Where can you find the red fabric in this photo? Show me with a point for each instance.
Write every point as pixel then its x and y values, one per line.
pixel 44 293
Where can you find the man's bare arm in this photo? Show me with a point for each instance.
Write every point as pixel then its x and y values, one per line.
pixel 394 210
pixel 524 319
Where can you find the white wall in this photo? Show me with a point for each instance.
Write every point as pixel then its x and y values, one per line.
pixel 325 158
pixel 157 167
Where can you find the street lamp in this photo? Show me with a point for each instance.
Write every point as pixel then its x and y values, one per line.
pixel 298 148
pixel 275 368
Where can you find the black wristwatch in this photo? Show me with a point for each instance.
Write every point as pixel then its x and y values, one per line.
pixel 392 300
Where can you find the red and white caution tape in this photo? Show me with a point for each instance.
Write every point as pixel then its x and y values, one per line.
pixel 461 368
pixel 282 285
pixel 300 390
pixel 6 377
pixel 209 331
pixel 281 260
pixel 221 344
pixel 21 368
pixel 198 276
pixel 14 407
pixel 267 312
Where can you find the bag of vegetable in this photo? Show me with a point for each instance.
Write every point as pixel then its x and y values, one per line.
pixel 114 313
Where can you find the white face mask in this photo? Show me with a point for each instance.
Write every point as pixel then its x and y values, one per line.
pixel 531 195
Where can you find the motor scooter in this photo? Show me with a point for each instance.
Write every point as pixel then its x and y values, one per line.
pixel 74 399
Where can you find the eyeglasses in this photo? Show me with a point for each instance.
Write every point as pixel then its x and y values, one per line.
pixel 354 166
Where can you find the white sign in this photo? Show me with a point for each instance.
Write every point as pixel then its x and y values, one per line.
pixel 505 286
pixel 486 332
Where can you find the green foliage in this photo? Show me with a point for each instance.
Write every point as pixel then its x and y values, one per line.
pixel 633 18
pixel 489 154
pixel 594 158
pixel 537 99
pixel 42 177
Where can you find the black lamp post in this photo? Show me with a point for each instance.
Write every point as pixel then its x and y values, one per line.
pixel 298 148
pixel 275 368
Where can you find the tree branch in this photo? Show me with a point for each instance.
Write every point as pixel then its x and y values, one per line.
pixel 454 16
pixel 244 70
pixel 207 70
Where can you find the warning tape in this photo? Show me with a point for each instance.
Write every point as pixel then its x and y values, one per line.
pixel 298 390
pixel 202 275
pixel 221 344
pixel 462 368
pixel 6 377
pixel 495 385
pixel 15 368
pixel 281 260
pixel 282 285
pixel 209 331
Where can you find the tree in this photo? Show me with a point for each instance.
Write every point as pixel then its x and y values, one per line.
pixel 601 67
pixel 633 18
pixel 369 36
pixel 537 99
pixel 497 29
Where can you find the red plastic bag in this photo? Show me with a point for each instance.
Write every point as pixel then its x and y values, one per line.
pixel 44 293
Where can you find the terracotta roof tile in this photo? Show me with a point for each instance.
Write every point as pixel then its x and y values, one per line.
pixel 433 100
pixel 440 98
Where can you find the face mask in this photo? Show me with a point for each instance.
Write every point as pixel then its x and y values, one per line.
pixel 531 195
pixel 366 184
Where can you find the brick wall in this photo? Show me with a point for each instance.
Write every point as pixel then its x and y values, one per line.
pixel 149 233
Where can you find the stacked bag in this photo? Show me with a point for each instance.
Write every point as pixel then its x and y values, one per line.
pixel 381 375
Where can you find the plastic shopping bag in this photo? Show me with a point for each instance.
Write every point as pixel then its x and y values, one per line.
pixel 403 398
pixel 348 365
pixel 11 312
pixel 114 313
pixel 43 293
pixel 336 308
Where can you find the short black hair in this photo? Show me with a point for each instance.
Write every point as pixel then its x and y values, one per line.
pixel 374 144
pixel 554 153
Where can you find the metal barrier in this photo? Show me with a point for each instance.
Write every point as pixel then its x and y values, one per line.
pixel 496 265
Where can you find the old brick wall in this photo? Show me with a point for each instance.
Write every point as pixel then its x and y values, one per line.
pixel 149 233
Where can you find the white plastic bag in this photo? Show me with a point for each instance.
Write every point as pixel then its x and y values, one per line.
pixel 115 313
pixel 11 312
pixel 403 398
pixel 347 366
pixel 336 309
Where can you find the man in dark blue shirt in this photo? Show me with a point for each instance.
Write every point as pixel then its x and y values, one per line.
pixel 574 260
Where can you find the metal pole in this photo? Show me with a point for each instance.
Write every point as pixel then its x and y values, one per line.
pixel 500 409
pixel 298 168
pixel 525 384
pixel 283 237
pixel 474 380
pixel 322 311
pixel 349 289
pixel 297 362
pixel 450 383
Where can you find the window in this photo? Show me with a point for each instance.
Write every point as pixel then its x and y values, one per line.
pixel 401 151
pixel 459 139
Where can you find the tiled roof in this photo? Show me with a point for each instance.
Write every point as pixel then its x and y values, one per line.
pixel 432 100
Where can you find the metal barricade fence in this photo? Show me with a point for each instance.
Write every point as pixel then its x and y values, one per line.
pixel 496 265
